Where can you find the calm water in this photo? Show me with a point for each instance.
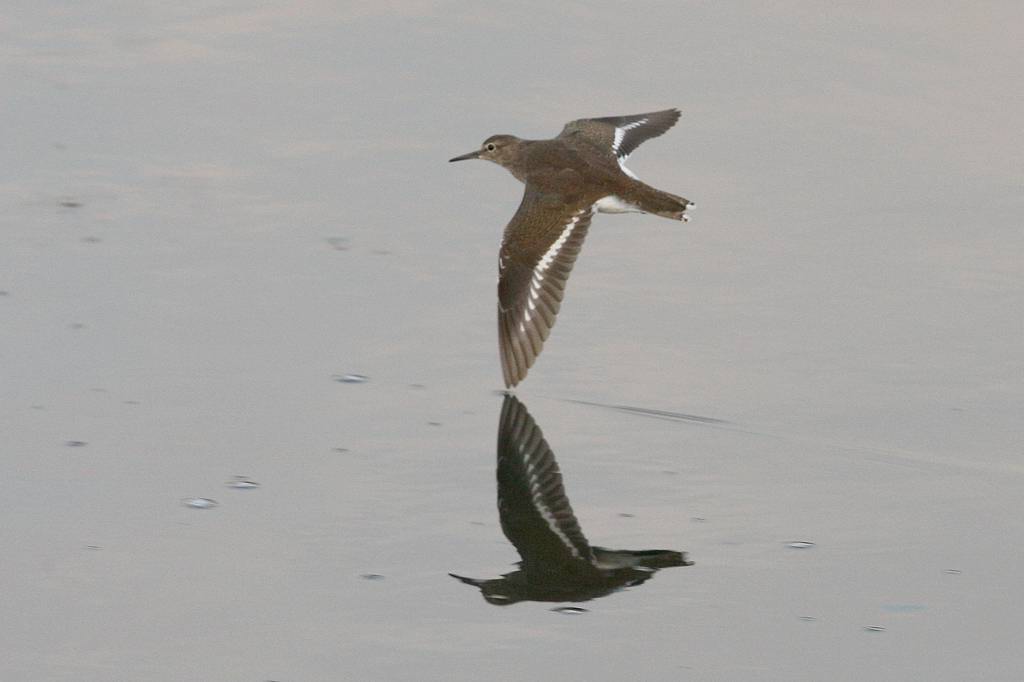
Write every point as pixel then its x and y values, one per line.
pixel 232 250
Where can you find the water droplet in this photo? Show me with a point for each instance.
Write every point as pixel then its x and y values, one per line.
pixel 808 619
pixel 371 576
pixel 800 544
pixel 351 378
pixel 952 571
pixel 874 628
pixel 75 443
pixel 242 483
pixel 569 610
pixel 199 502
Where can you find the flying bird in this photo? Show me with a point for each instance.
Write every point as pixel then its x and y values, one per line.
pixel 567 179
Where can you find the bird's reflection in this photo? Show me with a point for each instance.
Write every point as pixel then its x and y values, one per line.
pixel 558 564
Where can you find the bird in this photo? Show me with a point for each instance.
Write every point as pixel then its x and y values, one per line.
pixel 568 178
pixel 558 563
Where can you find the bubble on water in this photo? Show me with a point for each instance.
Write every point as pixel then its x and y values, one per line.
pixel 569 610
pixel 874 628
pixel 199 502
pixel 371 576
pixel 351 378
pixel 242 483
pixel 75 443
pixel 800 544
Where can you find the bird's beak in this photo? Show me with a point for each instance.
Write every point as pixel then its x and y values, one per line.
pixel 469 581
pixel 471 155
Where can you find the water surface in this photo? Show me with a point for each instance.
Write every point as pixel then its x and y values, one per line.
pixel 212 213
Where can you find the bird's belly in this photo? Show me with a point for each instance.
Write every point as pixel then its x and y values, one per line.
pixel 615 204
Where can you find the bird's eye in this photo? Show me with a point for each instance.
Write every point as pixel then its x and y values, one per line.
pixel 489 146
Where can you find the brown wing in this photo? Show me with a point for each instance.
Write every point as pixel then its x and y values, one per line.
pixel 622 134
pixel 538 251
pixel 536 515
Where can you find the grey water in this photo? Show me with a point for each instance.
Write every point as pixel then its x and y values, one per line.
pixel 231 245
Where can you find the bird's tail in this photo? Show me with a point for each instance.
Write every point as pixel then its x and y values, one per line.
pixel 650 200
pixel 646 558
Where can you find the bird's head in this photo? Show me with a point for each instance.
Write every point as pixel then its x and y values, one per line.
pixel 501 149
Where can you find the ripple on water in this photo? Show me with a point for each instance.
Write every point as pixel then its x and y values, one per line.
pixel 242 483
pixel 199 502
pixel 570 610
pixel 351 378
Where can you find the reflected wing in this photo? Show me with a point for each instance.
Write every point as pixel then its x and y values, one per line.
pixel 622 134
pixel 538 250
pixel 535 513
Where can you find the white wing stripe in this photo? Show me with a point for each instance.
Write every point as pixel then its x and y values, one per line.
pixel 540 504
pixel 620 134
pixel 552 252
pixel 536 282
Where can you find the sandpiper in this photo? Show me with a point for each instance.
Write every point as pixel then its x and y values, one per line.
pixel 567 179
